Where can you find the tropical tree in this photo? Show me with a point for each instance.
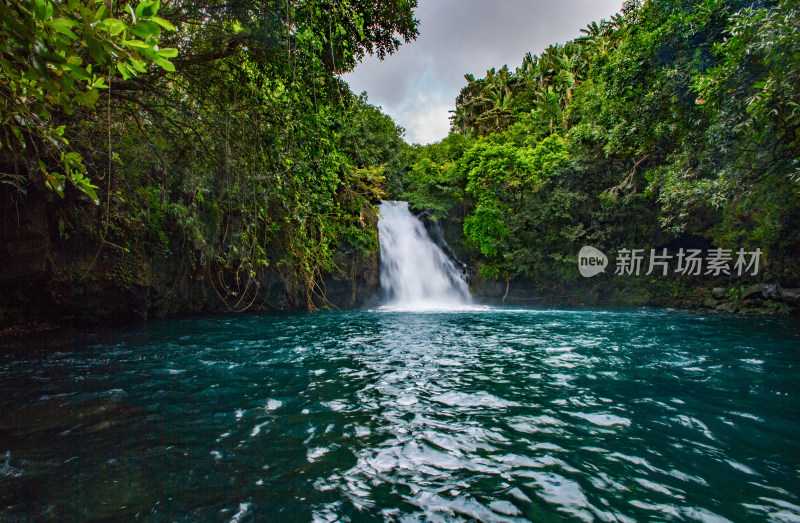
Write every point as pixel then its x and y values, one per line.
pixel 55 59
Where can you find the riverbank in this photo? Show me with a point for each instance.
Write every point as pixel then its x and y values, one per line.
pixel 743 296
pixel 757 298
pixel 48 283
pixel 51 279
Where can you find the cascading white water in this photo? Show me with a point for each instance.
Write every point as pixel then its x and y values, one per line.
pixel 415 272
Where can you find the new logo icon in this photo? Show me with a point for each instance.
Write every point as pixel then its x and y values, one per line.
pixel 591 261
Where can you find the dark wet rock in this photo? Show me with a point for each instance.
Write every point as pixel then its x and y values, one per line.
pixel 763 291
pixel 50 280
pixel 790 295
pixel 27 328
pixel 358 280
pixel 719 292
pixel 772 292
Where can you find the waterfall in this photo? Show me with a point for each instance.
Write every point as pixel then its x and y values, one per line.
pixel 415 272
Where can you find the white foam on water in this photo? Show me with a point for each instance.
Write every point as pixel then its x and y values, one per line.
pixel 273 404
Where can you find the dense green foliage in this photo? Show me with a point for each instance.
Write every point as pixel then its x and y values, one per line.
pixel 53 58
pixel 211 132
pixel 217 136
pixel 673 124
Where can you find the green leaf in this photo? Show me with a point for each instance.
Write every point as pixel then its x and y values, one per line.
pixel 71 158
pixel 124 71
pixel 137 65
pixel 39 9
pixel 163 23
pixel 101 13
pixel 86 187
pixel 88 98
pixel 43 10
pixel 145 29
pixel 62 25
pixel 146 9
pixel 55 182
pixel 79 72
pixel 168 52
pixel 165 64
pixel 54 58
pixel 137 44
pixel 18 133
pixel 95 50
pixel 113 26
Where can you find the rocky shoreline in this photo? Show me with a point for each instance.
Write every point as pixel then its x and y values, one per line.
pixel 757 298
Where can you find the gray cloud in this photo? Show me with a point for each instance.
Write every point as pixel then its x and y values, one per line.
pixel 419 83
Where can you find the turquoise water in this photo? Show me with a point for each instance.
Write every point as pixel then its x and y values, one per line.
pixel 494 415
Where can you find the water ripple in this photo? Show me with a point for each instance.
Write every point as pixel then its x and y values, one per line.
pixel 491 415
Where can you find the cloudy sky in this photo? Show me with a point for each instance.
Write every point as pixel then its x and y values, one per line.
pixel 419 83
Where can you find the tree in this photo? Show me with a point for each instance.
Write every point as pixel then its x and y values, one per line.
pixel 55 58
pixel 232 148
